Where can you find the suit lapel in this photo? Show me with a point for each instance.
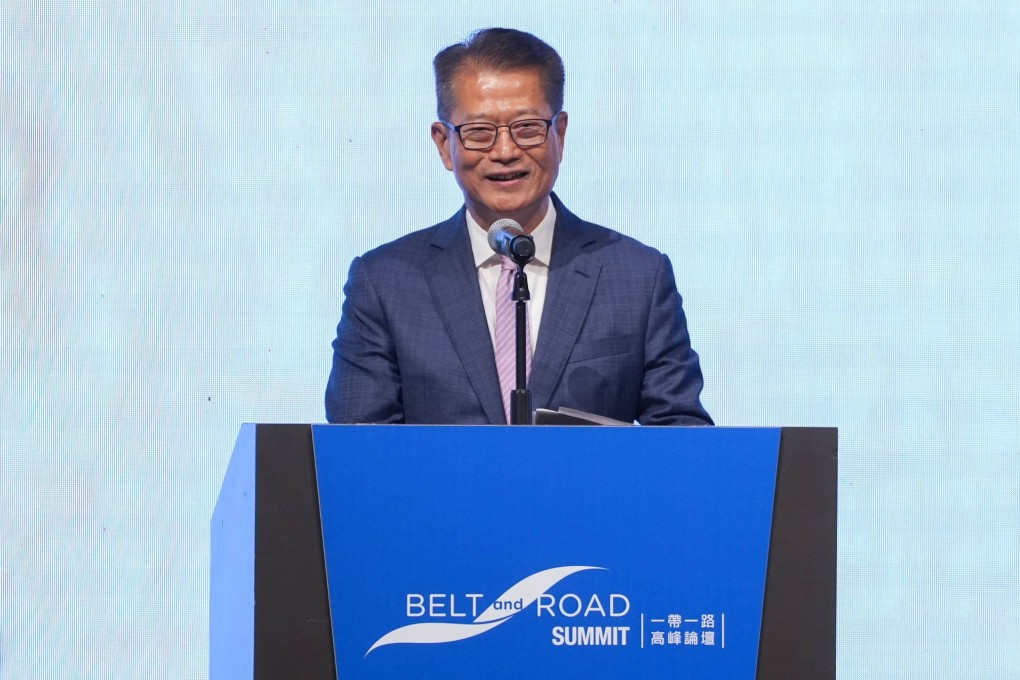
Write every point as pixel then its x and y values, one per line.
pixel 453 281
pixel 573 275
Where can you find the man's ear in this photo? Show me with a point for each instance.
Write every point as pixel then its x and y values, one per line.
pixel 441 138
pixel 561 127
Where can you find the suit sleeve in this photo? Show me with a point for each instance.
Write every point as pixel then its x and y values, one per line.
pixel 671 388
pixel 364 384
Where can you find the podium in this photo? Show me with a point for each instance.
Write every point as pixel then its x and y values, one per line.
pixel 401 551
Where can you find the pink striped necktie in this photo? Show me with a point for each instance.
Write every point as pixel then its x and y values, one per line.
pixel 506 334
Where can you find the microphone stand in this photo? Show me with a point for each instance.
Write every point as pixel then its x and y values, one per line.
pixel 520 398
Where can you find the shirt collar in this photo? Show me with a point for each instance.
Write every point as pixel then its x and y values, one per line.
pixel 543 235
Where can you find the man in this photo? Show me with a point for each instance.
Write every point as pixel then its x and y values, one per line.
pixel 422 324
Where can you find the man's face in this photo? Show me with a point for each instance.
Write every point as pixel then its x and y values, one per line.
pixel 507 180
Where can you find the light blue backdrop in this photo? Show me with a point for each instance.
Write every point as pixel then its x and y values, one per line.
pixel 182 188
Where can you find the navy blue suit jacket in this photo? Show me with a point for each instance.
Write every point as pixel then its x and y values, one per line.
pixel 413 346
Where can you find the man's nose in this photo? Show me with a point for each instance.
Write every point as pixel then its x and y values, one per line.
pixel 505 146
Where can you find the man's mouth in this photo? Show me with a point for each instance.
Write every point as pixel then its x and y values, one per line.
pixel 506 176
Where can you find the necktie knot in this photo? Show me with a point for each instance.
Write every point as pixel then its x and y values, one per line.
pixel 508 265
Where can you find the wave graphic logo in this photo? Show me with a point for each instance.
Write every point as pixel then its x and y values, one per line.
pixel 528 590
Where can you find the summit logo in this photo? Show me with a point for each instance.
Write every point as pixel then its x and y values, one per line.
pixel 516 599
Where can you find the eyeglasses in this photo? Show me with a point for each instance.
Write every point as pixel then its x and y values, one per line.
pixel 482 136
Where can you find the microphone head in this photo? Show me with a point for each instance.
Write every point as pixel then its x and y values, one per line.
pixel 502 226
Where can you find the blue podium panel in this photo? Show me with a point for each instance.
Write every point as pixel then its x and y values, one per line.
pixel 545 552
pixel 232 567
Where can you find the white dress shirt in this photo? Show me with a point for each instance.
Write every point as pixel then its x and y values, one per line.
pixel 488 265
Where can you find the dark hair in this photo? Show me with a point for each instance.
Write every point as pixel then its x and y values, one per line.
pixel 500 49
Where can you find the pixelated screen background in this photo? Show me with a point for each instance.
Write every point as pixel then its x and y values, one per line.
pixel 183 186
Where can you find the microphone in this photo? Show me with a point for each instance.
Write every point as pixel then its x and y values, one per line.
pixel 508 239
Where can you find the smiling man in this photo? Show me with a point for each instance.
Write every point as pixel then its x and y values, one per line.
pixel 421 334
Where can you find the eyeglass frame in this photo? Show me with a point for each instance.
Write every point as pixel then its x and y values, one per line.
pixel 548 125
